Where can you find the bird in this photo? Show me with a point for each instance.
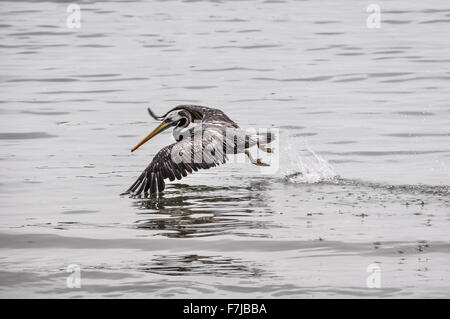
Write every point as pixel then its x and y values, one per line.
pixel 203 138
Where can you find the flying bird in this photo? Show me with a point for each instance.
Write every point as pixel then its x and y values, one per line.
pixel 204 136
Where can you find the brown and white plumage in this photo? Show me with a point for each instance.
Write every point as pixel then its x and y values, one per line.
pixel 193 150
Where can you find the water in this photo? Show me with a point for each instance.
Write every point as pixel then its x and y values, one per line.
pixel 364 149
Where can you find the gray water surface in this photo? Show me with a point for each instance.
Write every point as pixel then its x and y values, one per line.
pixel 364 152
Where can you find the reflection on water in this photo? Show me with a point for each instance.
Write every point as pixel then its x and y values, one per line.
pixel 185 211
pixel 200 211
pixel 182 265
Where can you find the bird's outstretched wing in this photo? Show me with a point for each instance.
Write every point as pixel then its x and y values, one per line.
pixel 177 160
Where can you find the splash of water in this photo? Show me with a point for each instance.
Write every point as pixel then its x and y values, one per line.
pixel 303 165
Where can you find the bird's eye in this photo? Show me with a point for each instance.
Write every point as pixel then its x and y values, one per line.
pixel 182 122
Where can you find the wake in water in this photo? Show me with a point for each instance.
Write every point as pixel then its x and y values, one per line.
pixel 304 166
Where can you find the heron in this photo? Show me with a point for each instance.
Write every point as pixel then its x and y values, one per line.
pixel 203 138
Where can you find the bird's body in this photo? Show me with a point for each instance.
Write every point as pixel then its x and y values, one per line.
pixel 202 146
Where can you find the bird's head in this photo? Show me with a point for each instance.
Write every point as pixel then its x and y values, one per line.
pixel 176 118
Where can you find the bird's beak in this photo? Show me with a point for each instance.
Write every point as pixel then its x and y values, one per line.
pixel 161 127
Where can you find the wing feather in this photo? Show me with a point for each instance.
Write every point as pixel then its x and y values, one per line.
pixel 177 160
